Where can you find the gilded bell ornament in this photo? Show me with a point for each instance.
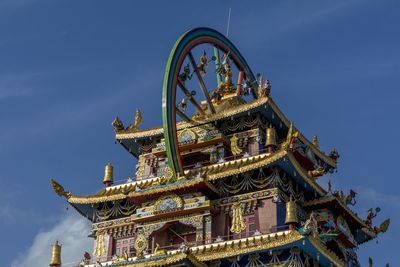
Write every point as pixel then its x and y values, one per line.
pixel 55 255
pixel 108 174
pixel 291 212
pixel 270 137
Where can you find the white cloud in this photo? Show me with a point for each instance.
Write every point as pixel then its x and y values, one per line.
pixel 375 197
pixel 71 231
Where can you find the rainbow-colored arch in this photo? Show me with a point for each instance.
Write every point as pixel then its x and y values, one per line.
pixel 181 48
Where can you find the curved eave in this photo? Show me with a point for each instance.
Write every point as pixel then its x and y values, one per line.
pixel 282 158
pixel 267 242
pixel 302 138
pixel 333 199
pixel 248 245
pixel 162 260
pixel 116 194
pixel 363 232
pixel 152 186
pixel 264 105
pixel 229 112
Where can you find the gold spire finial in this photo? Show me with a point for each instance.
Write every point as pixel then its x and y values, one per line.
pixel 108 175
pixel 55 260
pixel 315 141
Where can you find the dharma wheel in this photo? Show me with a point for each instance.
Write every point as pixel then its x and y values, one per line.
pixel 192 88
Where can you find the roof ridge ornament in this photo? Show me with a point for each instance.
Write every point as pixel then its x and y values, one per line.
pixel 59 189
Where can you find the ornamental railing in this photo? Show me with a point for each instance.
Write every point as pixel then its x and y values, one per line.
pixel 195 166
pixel 103 261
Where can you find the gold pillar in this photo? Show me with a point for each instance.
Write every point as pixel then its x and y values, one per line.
pixel 55 260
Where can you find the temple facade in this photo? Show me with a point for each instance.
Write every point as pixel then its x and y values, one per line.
pixel 228 180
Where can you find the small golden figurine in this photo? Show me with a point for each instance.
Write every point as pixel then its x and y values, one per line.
pixel 137 122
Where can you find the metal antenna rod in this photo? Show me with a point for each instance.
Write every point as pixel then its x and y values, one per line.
pixel 229 22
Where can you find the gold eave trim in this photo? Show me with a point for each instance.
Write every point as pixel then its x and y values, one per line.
pixel 210 118
pixel 245 245
pixel 229 168
pixel 120 196
pixel 222 170
pixel 164 261
pixel 227 113
pixel 213 172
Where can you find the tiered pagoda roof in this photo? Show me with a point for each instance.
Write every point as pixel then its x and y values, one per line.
pixel 233 184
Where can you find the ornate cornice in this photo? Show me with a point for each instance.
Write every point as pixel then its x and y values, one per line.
pixel 245 245
pixel 151 186
pixel 221 170
pixel 159 261
pixel 129 190
pixel 126 134
pixel 268 193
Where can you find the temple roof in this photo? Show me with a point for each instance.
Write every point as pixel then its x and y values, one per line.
pixel 265 105
pixel 175 259
pixel 151 186
pixel 334 203
pixel 197 255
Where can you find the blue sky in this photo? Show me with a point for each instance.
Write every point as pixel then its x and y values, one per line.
pixel 67 68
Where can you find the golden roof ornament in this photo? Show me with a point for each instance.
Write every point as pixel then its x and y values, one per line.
pixel 383 227
pixel 168 174
pixel 117 124
pixel 291 212
pixel 315 141
pixel 318 172
pixel 137 122
pixel 235 149
pixel 140 245
pixel 108 175
pixel 99 249
pixel 260 85
pixel 290 136
pixel 267 88
pixel 238 224
pixel 159 251
pixel 55 260
pixel 270 137
pixel 59 189
pixel 334 154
